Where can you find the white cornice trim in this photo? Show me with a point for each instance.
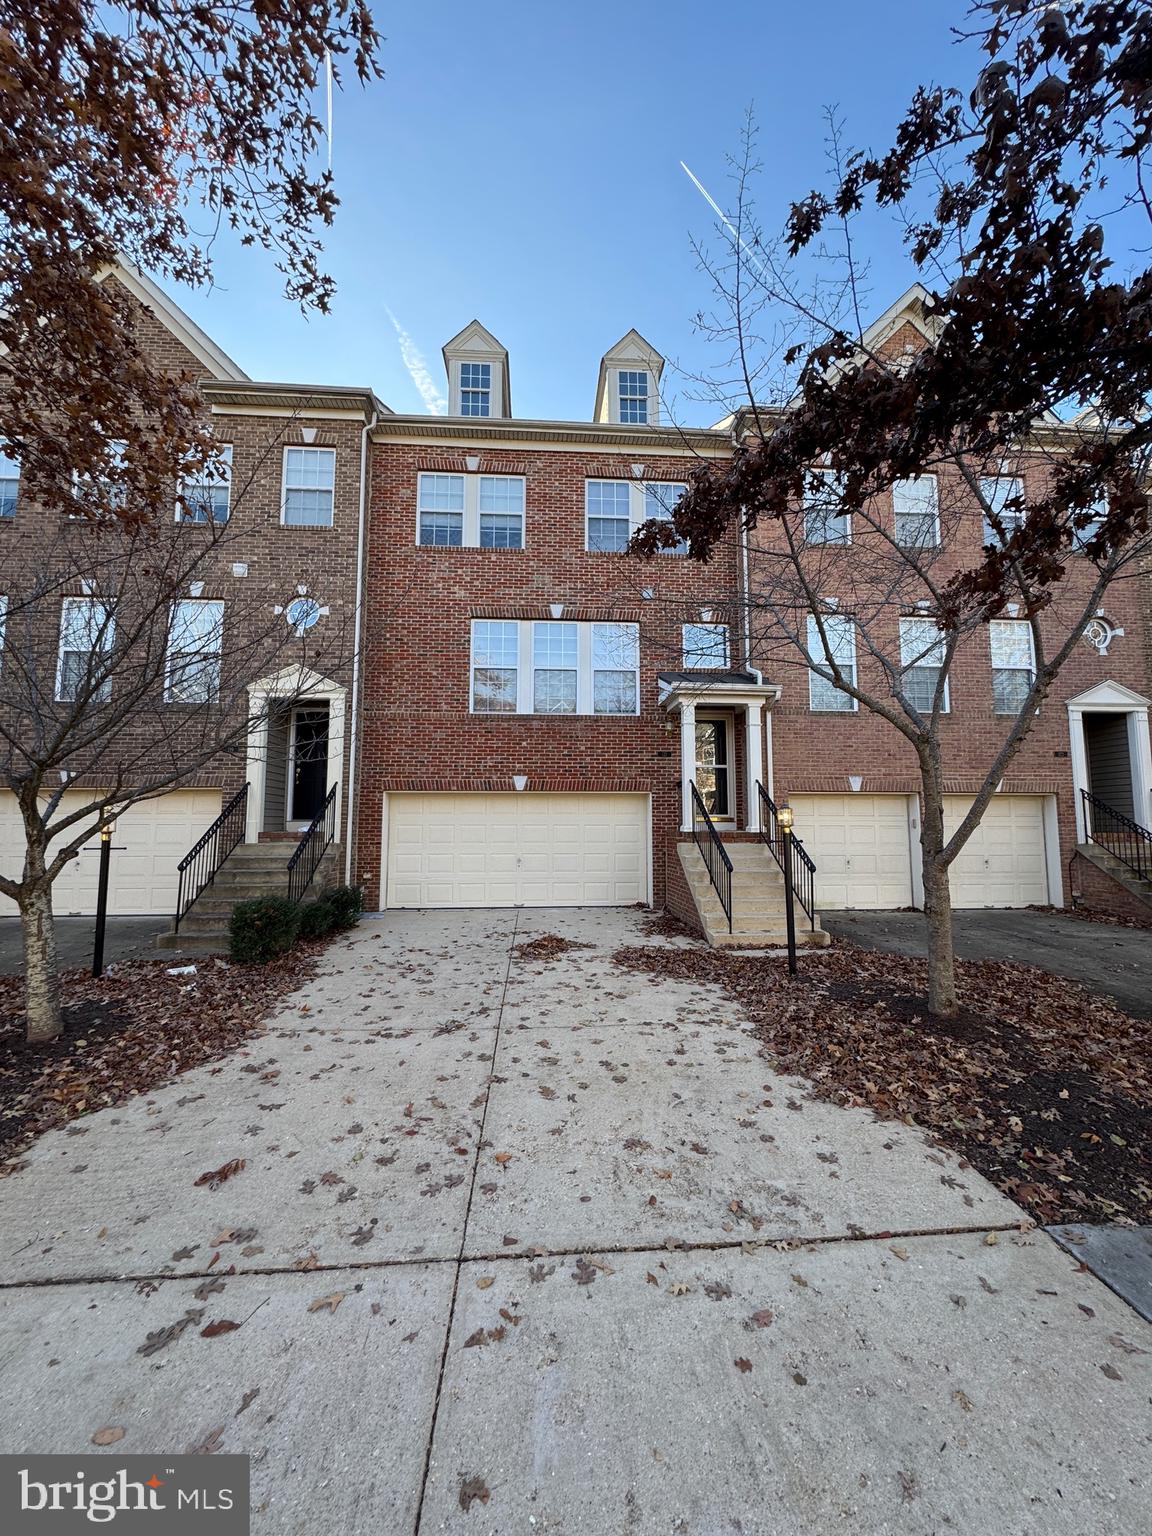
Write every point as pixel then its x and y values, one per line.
pixel 585 436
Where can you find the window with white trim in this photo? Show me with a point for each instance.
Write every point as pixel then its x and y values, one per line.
pixel 705 646
pixel 921 662
pixel 998 491
pixel 9 485
pixel 825 521
pixel 109 488
pixel 1096 513
pixel 823 694
pixel 470 511
pixel 632 384
pixel 475 389
pixel 309 487
pixel 916 512
pixel 614 509
pixel 554 667
pixel 1013 664
pixel 87 630
pixel 195 645
pixel 206 495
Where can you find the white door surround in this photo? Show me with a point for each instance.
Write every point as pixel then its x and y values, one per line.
pixel 1112 698
pixel 685 698
pixel 295 685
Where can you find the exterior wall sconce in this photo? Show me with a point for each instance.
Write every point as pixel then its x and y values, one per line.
pixel 308 434
pixel 472 463
pixel 855 781
pixel 556 610
pixel 637 471
pixel 520 780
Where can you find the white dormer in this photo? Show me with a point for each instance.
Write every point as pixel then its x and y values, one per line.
pixel 628 391
pixel 477 374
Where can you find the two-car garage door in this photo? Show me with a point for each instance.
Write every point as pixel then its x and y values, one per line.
pixel 864 847
pixel 511 850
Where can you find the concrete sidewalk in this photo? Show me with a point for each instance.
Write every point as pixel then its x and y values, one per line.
pixel 548 1247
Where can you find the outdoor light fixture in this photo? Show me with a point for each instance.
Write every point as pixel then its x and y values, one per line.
pixel 784 817
pixel 784 822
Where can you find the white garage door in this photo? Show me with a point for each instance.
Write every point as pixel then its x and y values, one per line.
pixel 860 844
pixel 512 850
pixel 1003 863
pixel 150 840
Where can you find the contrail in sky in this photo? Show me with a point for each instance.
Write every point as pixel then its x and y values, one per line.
pixel 418 369
pixel 721 215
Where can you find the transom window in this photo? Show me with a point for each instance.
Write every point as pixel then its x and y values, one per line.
pixel 9 485
pixel 309 487
pixel 634 395
pixel 195 644
pixel 824 520
pixel 823 694
pixel 1013 664
pixel 540 667
pixel 921 660
pixel 475 389
pixel 998 491
pixel 614 509
pixel 916 512
pixel 470 511
pixel 206 495
pixel 87 631
pixel 705 646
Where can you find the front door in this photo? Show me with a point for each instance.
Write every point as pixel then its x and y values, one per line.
pixel 713 767
pixel 308 761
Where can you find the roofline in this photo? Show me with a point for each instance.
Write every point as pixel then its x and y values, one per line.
pixel 303 396
pixel 198 342
pixel 512 429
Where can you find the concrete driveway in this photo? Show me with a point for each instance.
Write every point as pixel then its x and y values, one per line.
pixel 1108 959
pixel 125 938
pixel 547 1247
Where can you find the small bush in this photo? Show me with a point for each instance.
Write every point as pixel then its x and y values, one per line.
pixel 262 929
pixel 317 920
pixel 347 902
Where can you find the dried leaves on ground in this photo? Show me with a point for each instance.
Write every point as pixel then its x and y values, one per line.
pixel 1043 1087
pixel 547 947
pixel 126 1034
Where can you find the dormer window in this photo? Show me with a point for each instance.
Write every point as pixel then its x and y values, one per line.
pixel 475 389
pixel 634 396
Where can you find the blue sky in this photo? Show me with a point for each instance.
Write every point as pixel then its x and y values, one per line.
pixel 520 164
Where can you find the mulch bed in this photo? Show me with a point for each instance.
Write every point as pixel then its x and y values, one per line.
pixel 1041 1086
pixel 128 1033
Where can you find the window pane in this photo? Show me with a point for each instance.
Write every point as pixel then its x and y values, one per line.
pixel 442 493
pixel 1011 643
pixel 501 512
pixel 706 645
pixel 554 691
pixel 616 646
pixel 633 396
pixel 841 633
pixel 442 528
pixel 554 645
pixel 501 531
pixel 921 642
pixel 206 493
pixel 824 522
pixel 9 485
pixel 1010 689
pixel 607 507
pixel 501 493
pixel 998 491
pixel 607 535
pixel 614 693
pixel 920 688
pixel 309 478
pixel 308 509
pixel 660 502
pixel 495 655
pixel 915 505
pixel 494 691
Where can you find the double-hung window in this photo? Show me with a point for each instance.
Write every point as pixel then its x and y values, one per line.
pixel 823 694
pixel 470 511
pixel 825 521
pixel 475 389
pixel 109 488
pixel 1013 664
pixel 9 485
pixel 633 383
pixel 309 487
pixel 921 662
pixel 205 496
pixel 705 646
pixel 195 644
pixel 614 509
pixel 542 667
pixel 1096 514
pixel 1003 496
pixel 916 512
pixel 87 630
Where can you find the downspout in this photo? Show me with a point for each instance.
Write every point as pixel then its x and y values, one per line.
pixel 354 738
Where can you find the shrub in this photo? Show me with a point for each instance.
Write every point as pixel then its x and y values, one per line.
pixel 317 920
pixel 347 902
pixel 262 929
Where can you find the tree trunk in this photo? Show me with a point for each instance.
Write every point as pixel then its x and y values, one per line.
pixel 41 980
pixel 937 898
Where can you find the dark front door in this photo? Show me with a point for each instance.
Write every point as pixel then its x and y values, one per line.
pixel 309 761
pixel 712 769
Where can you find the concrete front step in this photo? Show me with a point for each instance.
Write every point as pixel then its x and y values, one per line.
pixel 204 941
pixel 251 871
pixel 758 901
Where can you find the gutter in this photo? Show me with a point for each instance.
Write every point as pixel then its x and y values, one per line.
pixel 354 735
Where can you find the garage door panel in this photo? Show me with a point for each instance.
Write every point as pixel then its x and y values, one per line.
pixel 860 845
pixel 516 850
pixel 1003 863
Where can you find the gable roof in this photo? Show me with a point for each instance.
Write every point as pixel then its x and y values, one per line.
pixel 173 319
pixel 631 348
pixel 476 339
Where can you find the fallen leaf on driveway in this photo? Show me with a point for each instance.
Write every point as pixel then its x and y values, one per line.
pixel 503 1157
pixel 762 1319
pixel 217 1176
pixel 1112 1373
pixel 209 1445
pixel 485 1282
pixel 214 1330
pixel 162 1337
pixel 743 1365
pixel 471 1489
pixel 326 1302
pixel 961 1397
pixel 901 1253
pixel 1118 1341
pixel 109 1436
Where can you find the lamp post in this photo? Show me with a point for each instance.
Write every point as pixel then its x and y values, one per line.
pixel 784 820
pixel 106 832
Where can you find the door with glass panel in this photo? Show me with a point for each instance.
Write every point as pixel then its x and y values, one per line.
pixel 714 767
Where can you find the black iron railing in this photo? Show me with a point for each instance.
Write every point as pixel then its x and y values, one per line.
pixel 715 856
pixel 1118 835
pixel 312 847
pixel 801 867
pixel 199 865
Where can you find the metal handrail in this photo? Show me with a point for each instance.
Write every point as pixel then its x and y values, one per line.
pixel 198 867
pixel 1118 834
pixel 312 847
pixel 802 868
pixel 714 854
